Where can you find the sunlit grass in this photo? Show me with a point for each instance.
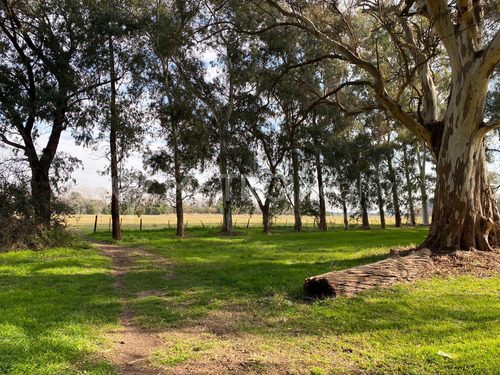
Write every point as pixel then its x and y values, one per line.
pixel 55 306
pixel 246 293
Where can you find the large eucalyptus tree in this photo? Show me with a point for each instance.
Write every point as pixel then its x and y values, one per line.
pixel 465 214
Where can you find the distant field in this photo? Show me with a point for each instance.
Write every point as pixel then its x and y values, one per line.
pixel 85 223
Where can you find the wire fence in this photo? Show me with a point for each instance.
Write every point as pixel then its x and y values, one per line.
pixel 102 223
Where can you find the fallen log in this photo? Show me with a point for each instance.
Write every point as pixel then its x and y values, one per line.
pixel 382 274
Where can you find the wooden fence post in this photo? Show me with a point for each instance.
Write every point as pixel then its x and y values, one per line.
pixel 95 224
pixel 140 226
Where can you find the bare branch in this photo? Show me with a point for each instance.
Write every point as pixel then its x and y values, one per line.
pixel 491 56
pixel 441 19
pixel 489 126
pixel 378 85
pixel 10 143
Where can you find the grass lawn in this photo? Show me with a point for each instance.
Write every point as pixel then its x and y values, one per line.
pixel 240 299
pixel 55 306
pixel 234 305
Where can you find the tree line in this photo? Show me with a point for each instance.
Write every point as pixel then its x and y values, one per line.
pixel 297 105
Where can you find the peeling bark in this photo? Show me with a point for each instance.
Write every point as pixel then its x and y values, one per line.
pixel 465 213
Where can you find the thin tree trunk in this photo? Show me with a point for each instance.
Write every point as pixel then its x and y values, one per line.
pixel 227 216
pixel 296 191
pixel 115 196
pixel 362 204
pixel 380 199
pixel 394 189
pixel 423 181
pixel 179 210
pixel 344 210
pixel 409 186
pixel 322 205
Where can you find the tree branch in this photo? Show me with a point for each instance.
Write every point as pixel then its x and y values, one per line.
pixel 489 126
pixel 441 19
pixel 10 143
pixel 491 56
pixel 378 85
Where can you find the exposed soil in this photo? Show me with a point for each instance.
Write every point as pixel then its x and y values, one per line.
pixel 132 344
pixel 480 264
pixel 476 263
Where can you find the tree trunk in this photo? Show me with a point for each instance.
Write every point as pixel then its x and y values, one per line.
pixel 380 199
pixel 322 205
pixel 344 210
pixel 266 219
pixel 362 204
pixel 385 273
pixel 465 213
pixel 296 192
pixel 227 215
pixel 394 189
pixel 423 189
pixel 115 196
pixel 41 194
pixel 409 186
pixel 179 210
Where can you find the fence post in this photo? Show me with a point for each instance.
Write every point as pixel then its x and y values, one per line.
pixel 140 227
pixel 95 224
pixel 109 225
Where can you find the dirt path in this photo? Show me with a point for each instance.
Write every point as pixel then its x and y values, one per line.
pixel 132 344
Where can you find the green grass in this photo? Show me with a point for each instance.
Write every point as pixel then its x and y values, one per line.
pixel 238 301
pixel 54 308
pixel 247 290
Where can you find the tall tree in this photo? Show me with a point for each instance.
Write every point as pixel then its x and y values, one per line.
pixel 180 116
pixel 222 92
pixel 47 71
pixel 465 214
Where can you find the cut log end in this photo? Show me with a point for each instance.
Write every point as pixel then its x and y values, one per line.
pixel 355 280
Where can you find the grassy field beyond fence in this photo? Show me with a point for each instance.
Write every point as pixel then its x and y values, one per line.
pixel 85 223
